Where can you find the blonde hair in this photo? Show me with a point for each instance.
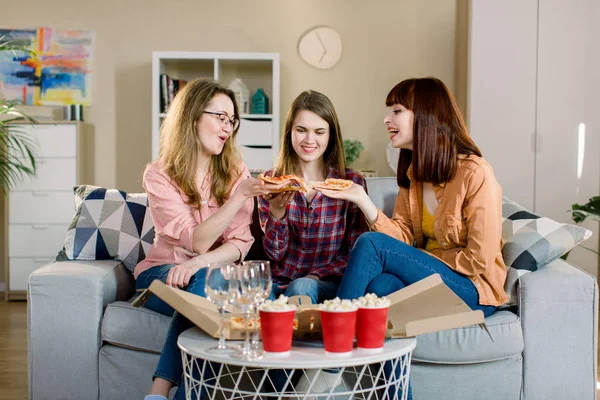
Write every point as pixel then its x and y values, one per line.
pixel 313 101
pixel 179 144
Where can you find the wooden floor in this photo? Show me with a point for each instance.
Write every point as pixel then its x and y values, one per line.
pixel 13 351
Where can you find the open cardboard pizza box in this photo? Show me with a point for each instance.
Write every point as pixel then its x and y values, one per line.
pixel 425 306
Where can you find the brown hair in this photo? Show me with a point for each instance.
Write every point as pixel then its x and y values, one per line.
pixel 318 103
pixel 180 144
pixel 439 135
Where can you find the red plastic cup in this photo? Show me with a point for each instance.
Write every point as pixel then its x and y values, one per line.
pixel 338 329
pixel 371 324
pixel 277 328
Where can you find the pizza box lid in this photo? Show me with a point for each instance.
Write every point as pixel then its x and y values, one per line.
pixel 426 306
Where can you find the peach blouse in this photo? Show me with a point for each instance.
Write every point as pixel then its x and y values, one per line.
pixel 175 220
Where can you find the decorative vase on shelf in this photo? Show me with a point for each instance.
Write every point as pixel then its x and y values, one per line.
pixel 242 95
pixel 260 102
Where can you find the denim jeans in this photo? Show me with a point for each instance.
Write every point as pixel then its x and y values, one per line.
pixel 382 265
pixel 169 365
pixel 316 290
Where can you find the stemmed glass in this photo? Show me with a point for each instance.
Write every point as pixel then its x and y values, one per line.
pixel 245 288
pixel 263 269
pixel 217 289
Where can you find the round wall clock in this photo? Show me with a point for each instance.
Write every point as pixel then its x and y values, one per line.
pixel 321 47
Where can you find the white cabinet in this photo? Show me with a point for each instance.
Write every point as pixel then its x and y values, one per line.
pixel 534 76
pixel 40 209
pixel 258 136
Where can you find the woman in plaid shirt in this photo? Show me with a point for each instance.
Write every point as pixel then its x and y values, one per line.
pixel 308 236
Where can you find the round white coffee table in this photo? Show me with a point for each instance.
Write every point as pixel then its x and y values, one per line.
pixel 306 372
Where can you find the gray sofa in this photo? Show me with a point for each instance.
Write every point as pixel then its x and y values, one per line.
pixel 87 342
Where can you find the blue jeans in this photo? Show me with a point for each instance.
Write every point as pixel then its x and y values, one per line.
pixel 382 265
pixel 169 365
pixel 317 290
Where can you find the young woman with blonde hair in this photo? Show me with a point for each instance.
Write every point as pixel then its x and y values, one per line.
pixel 307 235
pixel 201 199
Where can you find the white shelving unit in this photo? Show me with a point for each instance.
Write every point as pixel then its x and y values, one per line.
pixel 258 136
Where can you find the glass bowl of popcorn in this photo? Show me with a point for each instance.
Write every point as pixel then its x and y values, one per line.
pixel 277 325
pixel 338 323
pixel 371 321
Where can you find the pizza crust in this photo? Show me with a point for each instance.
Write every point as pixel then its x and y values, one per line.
pixel 238 323
pixel 298 183
pixel 332 184
pixel 253 323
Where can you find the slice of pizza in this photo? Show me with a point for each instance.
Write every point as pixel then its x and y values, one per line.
pixel 332 184
pixel 295 182
pixel 253 323
pixel 238 323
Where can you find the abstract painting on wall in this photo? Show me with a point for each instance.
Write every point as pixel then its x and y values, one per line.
pixel 60 74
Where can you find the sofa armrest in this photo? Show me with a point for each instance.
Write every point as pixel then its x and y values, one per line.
pixel 66 301
pixel 558 306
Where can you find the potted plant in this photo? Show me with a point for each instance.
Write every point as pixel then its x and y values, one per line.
pixel 18 150
pixel 579 213
pixel 589 210
pixel 352 149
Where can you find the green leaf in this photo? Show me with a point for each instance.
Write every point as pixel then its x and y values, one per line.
pixel 14 46
pixel 589 210
pixel 352 149
pixel 18 149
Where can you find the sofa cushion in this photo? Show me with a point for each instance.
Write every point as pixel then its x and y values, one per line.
pixel 383 192
pixel 471 344
pixel 109 224
pixel 134 327
pixel 532 242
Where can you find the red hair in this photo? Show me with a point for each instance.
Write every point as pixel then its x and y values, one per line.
pixel 440 133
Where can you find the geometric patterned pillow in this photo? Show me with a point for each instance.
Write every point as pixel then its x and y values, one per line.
pixel 531 242
pixel 109 224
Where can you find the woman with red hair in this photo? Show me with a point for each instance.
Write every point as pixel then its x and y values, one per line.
pixel 448 214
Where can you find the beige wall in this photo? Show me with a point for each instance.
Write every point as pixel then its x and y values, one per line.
pixel 385 41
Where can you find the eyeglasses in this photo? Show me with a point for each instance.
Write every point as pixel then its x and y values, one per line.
pixel 224 120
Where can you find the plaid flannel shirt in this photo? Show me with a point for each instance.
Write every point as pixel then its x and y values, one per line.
pixel 313 238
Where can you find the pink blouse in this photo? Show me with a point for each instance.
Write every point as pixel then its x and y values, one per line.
pixel 175 220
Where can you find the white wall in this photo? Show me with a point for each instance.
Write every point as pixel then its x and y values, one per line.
pixel 531 88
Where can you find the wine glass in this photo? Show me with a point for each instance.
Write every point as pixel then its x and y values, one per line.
pixel 246 287
pixel 263 269
pixel 217 289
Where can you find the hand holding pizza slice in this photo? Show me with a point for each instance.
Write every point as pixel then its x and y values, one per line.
pixel 332 184
pixel 342 189
pixel 294 183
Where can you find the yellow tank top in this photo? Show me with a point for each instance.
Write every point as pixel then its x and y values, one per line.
pixel 427 223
